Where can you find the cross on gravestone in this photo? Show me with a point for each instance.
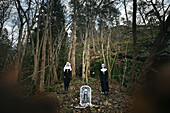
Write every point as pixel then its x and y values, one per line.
pixel 85 95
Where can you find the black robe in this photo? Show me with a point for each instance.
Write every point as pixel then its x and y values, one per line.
pixel 104 81
pixel 67 78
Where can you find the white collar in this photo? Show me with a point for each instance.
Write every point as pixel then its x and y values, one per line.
pixel 67 67
pixel 103 69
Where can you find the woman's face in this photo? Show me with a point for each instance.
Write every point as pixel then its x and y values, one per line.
pixel 67 64
pixel 102 66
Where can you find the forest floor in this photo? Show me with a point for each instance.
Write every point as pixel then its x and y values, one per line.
pixel 113 103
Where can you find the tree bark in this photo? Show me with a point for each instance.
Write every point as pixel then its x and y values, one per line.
pixel 36 61
pixel 70 48
pixel 134 39
pixel 84 57
pixel 158 45
pixel 42 75
pixel 92 37
pixel 88 59
pixel 73 50
pixel 127 19
pixel 108 61
pixel 37 49
pixel 104 59
pixel 45 35
pixel 73 63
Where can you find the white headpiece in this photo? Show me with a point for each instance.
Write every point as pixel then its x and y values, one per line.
pixel 103 69
pixel 67 67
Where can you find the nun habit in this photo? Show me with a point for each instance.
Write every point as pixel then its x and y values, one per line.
pixel 104 80
pixel 67 75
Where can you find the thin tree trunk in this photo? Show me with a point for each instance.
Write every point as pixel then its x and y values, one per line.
pixel 92 37
pixel 73 57
pixel 127 19
pixel 23 51
pixel 18 65
pixel 70 48
pixel 51 55
pixel 104 59
pixel 134 39
pixel 50 49
pixel 84 56
pixel 108 63
pixel 1 28
pixel 73 50
pixel 36 61
pixel 87 59
pixel 42 75
pixel 37 50
pixel 45 35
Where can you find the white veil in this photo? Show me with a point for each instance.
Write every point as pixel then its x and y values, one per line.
pixel 103 69
pixel 67 67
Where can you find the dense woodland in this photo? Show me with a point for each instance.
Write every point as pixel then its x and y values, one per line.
pixel 38 37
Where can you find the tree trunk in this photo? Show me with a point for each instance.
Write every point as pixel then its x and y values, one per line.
pixel 127 19
pixel 92 37
pixel 104 59
pixel 37 50
pixel 1 28
pixel 51 55
pixel 70 48
pixel 45 35
pixel 87 60
pixel 159 44
pixel 51 65
pixel 36 61
pixel 18 65
pixel 42 75
pixel 84 57
pixel 108 62
pixel 73 57
pixel 73 50
pixel 134 39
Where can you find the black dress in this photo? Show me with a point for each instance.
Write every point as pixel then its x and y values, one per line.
pixel 104 81
pixel 67 78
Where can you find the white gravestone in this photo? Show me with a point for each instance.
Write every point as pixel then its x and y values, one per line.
pixel 85 96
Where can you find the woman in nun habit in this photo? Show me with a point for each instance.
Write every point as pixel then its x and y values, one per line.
pixel 67 75
pixel 104 79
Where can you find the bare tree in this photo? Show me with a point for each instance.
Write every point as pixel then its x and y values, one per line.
pixel 45 37
pixel 36 53
pixel 134 38
pixel 21 38
pixel 125 7
pixel 159 43
pixel 72 49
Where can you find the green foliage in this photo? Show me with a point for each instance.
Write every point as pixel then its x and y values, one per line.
pixel 75 81
pixel 91 80
pixel 95 67
pixel 51 89
pixel 118 101
pixel 59 85
pixel 65 110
